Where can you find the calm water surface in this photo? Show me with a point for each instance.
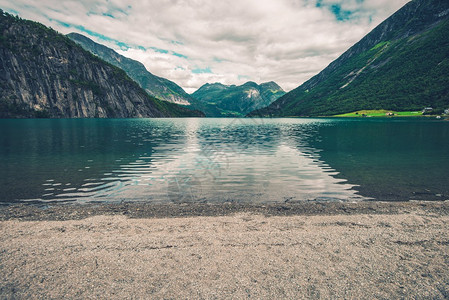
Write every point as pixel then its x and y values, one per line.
pixel 223 160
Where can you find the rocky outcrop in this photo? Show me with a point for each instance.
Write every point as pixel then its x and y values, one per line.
pixel 45 74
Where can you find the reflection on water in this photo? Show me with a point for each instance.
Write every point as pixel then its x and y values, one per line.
pixel 398 159
pixel 203 160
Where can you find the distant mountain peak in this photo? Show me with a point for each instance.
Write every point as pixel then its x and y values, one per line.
pixel 271 84
pixel 219 100
pixel 250 83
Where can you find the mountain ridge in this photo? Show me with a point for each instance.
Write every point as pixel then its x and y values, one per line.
pixel 155 86
pixel 375 69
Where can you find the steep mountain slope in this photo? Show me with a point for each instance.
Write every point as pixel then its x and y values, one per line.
pixel 218 100
pixel 45 74
pixel 158 87
pixel 403 64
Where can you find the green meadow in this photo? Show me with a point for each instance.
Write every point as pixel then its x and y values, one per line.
pixel 381 113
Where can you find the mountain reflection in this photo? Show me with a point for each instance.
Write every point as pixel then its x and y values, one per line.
pixel 222 160
pixel 65 160
pixel 399 159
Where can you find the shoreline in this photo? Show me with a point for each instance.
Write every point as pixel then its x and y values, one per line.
pixel 378 250
pixel 141 210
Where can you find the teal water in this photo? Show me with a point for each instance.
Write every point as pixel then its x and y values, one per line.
pixel 223 160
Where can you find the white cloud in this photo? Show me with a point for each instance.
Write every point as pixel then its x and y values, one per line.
pixel 287 41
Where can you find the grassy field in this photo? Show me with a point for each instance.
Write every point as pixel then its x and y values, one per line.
pixel 381 113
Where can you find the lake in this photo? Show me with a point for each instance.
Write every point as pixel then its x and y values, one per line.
pixel 223 160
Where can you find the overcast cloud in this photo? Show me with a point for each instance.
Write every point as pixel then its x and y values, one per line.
pixel 193 42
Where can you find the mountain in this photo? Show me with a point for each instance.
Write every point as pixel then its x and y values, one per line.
pixel 157 87
pixel 401 65
pixel 45 74
pixel 218 100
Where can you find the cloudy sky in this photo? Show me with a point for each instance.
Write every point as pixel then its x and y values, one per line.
pixel 193 42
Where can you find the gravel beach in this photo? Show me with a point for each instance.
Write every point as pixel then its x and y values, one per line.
pixel 374 250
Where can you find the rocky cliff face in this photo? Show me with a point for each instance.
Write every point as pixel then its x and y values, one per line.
pixel 157 87
pixel 45 74
pixel 218 100
pixel 400 65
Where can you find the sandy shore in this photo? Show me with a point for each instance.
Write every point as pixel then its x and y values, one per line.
pixel 377 250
